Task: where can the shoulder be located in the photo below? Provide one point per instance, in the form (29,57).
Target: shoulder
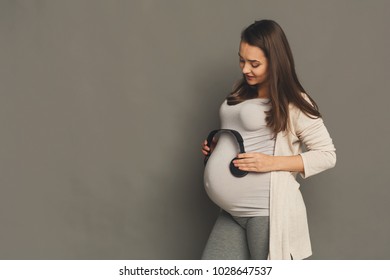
(299,119)
(293,108)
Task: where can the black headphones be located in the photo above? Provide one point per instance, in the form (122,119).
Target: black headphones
(234,170)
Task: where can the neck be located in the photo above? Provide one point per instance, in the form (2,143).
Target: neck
(263,91)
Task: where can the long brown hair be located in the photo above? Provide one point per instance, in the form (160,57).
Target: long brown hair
(284,86)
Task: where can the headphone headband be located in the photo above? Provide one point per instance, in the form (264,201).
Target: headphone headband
(236,134)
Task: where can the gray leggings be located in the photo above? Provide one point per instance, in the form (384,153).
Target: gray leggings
(238,238)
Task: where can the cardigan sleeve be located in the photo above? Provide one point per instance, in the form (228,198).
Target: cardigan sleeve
(320,152)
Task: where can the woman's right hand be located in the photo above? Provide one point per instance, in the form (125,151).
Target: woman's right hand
(205,149)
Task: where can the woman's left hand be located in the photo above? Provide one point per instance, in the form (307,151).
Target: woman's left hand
(254,162)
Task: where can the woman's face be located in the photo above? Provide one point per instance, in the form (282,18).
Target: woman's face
(253,63)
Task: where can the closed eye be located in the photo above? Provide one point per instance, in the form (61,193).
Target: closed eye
(253,65)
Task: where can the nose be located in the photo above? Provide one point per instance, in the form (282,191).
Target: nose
(246,69)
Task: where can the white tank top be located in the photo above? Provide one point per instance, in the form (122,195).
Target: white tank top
(247,196)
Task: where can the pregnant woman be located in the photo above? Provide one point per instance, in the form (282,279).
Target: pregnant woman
(263,215)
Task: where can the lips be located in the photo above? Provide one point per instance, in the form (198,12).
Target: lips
(249,77)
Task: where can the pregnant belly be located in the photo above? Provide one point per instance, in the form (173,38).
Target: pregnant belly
(235,195)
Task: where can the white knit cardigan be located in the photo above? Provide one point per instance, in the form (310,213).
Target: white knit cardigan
(289,232)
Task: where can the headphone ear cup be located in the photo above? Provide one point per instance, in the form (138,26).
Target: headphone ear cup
(235,171)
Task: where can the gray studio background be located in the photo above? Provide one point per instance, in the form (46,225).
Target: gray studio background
(104,104)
